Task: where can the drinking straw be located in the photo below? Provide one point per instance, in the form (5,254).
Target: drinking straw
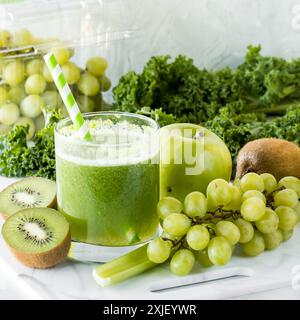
(67,95)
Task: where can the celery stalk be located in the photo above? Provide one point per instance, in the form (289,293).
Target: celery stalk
(123,268)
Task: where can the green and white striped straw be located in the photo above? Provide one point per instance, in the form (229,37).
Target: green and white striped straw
(67,95)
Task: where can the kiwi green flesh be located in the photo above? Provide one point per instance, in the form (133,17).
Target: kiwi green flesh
(35,231)
(27,193)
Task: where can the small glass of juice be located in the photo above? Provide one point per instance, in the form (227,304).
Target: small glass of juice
(108,187)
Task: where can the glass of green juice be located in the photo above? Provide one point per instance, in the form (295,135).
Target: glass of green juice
(108,187)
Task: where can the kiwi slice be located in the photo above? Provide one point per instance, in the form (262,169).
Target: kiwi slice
(38,237)
(27,193)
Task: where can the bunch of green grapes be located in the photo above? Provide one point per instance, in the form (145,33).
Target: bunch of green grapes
(255,212)
(27,85)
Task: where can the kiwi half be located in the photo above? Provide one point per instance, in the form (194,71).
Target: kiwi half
(38,237)
(27,193)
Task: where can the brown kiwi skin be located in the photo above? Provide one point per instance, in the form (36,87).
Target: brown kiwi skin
(279,157)
(47,259)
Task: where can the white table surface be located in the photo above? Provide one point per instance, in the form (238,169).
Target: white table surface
(274,274)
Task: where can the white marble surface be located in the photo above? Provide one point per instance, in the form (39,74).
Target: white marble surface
(276,276)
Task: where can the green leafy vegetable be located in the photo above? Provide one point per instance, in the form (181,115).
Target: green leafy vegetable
(18,159)
(235,104)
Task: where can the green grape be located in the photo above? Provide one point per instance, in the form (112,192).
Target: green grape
(252,181)
(219,192)
(286,198)
(105,83)
(270,182)
(236,196)
(34,66)
(202,257)
(290,183)
(3,95)
(168,205)
(255,194)
(9,113)
(52,99)
(86,104)
(297,210)
(88,85)
(219,251)
(46,74)
(229,231)
(23,37)
(96,66)
(286,234)
(176,224)
(35,84)
(198,237)
(5,38)
(269,222)
(195,204)
(23,121)
(62,55)
(159,250)
(71,72)
(16,94)
(255,246)
(288,218)
(182,262)
(253,209)
(272,240)
(31,106)
(246,230)
(14,73)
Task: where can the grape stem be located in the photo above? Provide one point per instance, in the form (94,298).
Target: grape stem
(270,197)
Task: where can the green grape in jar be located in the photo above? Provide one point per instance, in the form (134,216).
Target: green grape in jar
(86,104)
(35,84)
(32,105)
(97,66)
(88,84)
(16,94)
(14,73)
(71,72)
(34,66)
(9,113)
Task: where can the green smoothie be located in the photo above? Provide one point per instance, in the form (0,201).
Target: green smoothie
(107,203)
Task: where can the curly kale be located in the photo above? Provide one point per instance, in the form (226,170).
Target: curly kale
(18,159)
(235,104)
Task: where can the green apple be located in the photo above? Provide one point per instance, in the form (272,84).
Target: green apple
(190,158)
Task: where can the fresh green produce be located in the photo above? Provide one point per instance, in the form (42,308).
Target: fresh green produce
(276,156)
(18,159)
(27,193)
(38,237)
(233,103)
(210,239)
(190,158)
(27,86)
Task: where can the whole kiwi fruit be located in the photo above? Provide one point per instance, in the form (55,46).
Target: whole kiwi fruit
(279,157)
